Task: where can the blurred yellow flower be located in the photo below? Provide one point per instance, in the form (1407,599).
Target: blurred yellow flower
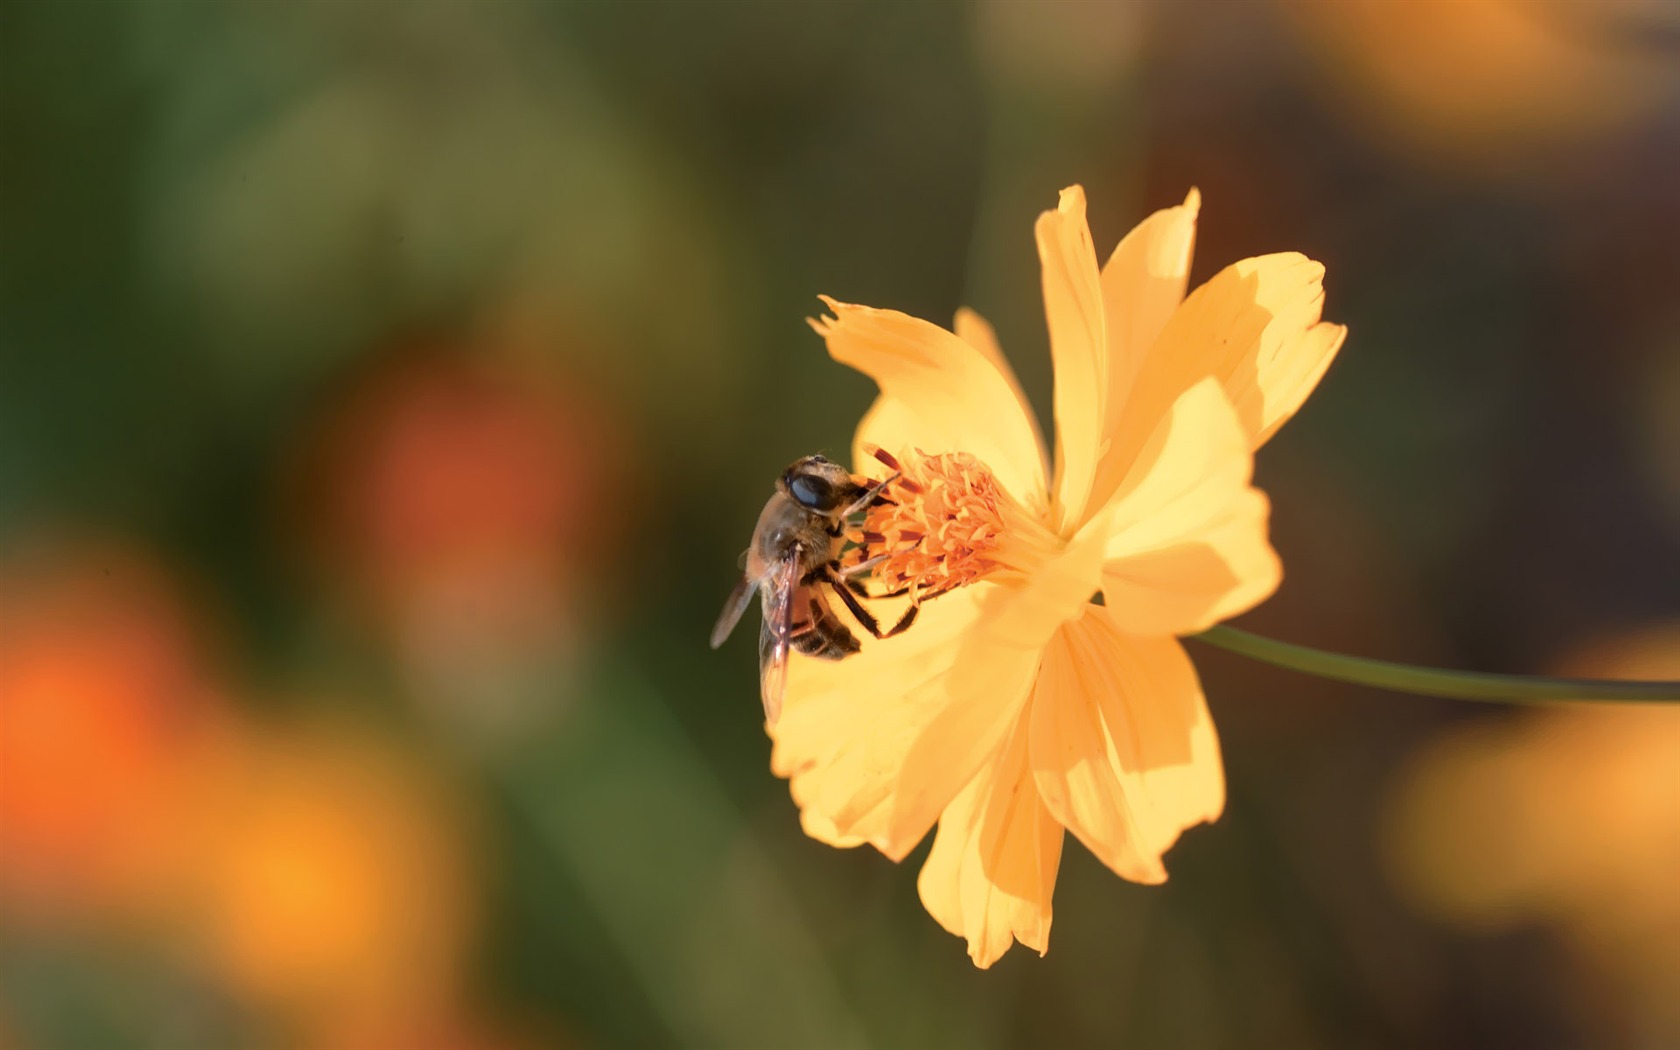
(331,881)
(1015,707)
(1567,816)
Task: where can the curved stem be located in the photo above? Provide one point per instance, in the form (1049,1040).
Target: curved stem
(1430,681)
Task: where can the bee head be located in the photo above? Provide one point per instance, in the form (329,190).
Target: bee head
(818,484)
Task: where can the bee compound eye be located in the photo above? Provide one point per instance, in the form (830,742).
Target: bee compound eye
(812,492)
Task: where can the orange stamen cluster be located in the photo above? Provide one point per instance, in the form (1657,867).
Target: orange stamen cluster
(936,526)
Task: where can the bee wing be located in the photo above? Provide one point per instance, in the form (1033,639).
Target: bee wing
(773,636)
(739,599)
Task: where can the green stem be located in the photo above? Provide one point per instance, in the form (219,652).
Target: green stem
(1430,681)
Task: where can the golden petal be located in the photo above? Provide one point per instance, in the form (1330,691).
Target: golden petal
(977,332)
(1121,745)
(1187,542)
(1143,283)
(938,393)
(879,743)
(876,745)
(821,828)
(1168,712)
(1073,307)
(992,869)
(1220,569)
(1256,328)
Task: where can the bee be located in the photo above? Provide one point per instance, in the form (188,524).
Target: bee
(794,566)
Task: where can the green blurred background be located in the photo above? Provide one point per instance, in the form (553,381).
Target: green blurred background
(387,390)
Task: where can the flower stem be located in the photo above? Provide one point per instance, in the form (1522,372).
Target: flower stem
(1431,681)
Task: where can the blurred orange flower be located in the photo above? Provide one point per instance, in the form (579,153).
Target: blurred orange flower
(461,499)
(1568,816)
(448,470)
(330,881)
(1487,82)
(103,700)
(1015,708)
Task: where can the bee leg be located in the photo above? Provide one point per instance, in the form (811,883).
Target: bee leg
(868,621)
(849,571)
(863,566)
(917,595)
(843,588)
(857,588)
(846,576)
(861,591)
(869,495)
(904,624)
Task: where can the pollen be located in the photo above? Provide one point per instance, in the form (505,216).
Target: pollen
(941,523)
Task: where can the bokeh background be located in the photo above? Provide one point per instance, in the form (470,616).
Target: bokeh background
(387,390)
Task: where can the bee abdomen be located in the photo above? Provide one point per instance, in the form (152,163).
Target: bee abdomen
(827,637)
(824,647)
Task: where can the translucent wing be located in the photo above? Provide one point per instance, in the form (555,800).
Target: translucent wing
(739,599)
(777,589)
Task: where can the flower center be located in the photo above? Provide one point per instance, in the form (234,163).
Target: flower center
(944,522)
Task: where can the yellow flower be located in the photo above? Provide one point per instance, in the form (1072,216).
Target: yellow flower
(1567,817)
(1014,707)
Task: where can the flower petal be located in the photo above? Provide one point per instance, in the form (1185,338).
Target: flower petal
(993,865)
(1187,542)
(1222,569)
(1121,744)
(876,745)
(1073,307)
(1143,283)
(977,332)
(889,424)
(938,393)
(1255,327)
